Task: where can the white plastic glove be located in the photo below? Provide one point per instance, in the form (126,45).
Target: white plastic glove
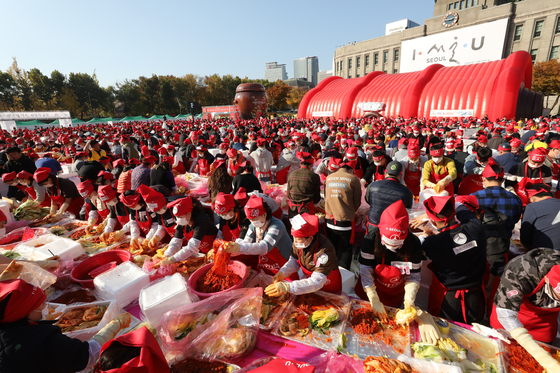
(232,248)
(448,179)
(166,261)
(410,291)
(376,305)
(522,336)
(174,245)
(429,332)
(110,330)
(429,184)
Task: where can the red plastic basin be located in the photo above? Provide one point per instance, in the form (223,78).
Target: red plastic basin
(80,273)
(237,267)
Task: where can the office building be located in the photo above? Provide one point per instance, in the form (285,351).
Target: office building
(323,74)
(275,71)
(307,68)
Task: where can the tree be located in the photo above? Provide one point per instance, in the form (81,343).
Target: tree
(546,79)
(69,102)
(87,87)
(42,87)
(8,91)
(168,100)
(149,87)
(24,90)
(278,95)
(295,97)
(129,94)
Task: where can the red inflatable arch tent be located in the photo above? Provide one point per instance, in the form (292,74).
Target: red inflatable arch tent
(497,89)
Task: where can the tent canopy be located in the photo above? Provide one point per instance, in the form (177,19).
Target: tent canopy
(31,123)
(100,120)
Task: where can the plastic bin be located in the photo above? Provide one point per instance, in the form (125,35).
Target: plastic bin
(122,283)
(237,267)
(164,295)
(80,273)
(48,245)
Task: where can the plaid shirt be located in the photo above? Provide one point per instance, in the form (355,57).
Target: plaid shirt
(304,186)
(503,201)
(140,176)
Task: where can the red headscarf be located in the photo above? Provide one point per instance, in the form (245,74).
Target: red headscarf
(538,155)
(154,200)
(436,204)
(151,357)
(304,225)
(393,225)
(489,172)
(224,202)
(130,201)
(254,207)
(181,206)
(24,299)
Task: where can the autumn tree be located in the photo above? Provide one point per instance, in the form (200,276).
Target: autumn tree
(24,90)
(295,97)
(278,95)
(546,79)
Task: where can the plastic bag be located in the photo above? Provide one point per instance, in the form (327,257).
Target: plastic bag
(429,366)
(73,293)
(224,326)
(86,334)
(289,365)
(332,362)
(201,190)
(33,274)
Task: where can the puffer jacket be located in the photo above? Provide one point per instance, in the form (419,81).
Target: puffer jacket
(263,160)
(382,194)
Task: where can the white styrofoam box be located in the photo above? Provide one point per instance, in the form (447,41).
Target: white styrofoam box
(214,151)
(348,280)
(5,208)
(162,296)
(47,245)
(123,283)
(66,168)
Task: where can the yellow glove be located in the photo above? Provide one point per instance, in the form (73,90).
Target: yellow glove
(100,228)
(232,248)
(376,305)
(104,237)
(110,330)
(89,229)
(134,243)
(429,184)
(118,235)
(277,289)
(410,291)
(278,277)
(429,332)
(166,261)
(522,336)
(56,217)
(154,242)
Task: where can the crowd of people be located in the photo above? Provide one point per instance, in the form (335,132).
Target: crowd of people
(476,179)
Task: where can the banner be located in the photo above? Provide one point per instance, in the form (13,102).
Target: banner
(322,114)
(452,113)
(465,46)
(20,115)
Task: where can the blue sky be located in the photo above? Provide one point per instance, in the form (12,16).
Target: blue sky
(127,39)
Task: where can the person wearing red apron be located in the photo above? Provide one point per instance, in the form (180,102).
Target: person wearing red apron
(203,162)
(458,254)
(354,162)
(413,169)
(527,303)
(149,358)
(233,224)
(140,221)
(288,162)
(118,216)
(439,170)
(263,161)
(315,255)
(536,161)
(304,187)
(32,189)
(91,200)
(266,238)
(193,226)
(63,192)
(156,203)
(390,266)
(235,160)
(376,170)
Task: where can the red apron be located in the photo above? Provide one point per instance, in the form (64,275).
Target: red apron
(521,187)
(542,323)
(264,175)
(271,262)
(469,185)
(390,290)
(145,226)
(310,206)
(334,279)
(75,205)
(205,244)
(233,167)
(100,217)
(180,168)
(203,167)
(435,178)
(32,194)
(377,176)
(231,235)
(282,176)
(412,180)
(357,172)
(123,220)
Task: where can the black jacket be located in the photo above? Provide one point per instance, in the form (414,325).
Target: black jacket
(40,348)
(382,194)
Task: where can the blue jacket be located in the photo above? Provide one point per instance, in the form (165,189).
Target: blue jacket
(508,160)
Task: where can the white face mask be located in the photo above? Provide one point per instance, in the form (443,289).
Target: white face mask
(377,163)
(228,216)
(135,208)
(222,151)
(182,221)
(412,161)
(48,185)
(393,248)
(437,159)
(2,232)
(532,165)
(258,223)
(112,202)
(302,245)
